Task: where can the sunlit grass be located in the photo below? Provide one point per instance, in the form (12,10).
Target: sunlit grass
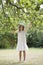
(10,57)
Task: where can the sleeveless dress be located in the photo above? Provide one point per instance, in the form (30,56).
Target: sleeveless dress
(21,44)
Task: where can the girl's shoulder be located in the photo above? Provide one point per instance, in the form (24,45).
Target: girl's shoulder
(21,32)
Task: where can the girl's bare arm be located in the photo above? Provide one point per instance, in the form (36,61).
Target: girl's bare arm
(16,31)
(28,26)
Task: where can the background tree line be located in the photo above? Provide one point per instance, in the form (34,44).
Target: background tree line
(14,11)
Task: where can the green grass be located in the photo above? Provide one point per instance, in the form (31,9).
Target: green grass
(34,56)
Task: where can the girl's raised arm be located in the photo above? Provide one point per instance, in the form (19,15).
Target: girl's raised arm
(16,31)
(28,26)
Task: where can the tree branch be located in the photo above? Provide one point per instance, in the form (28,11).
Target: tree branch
(15,5)
(3,8)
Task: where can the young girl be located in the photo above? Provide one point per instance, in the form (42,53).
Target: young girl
(22,46)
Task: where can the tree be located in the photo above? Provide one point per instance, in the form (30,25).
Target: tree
(12,12)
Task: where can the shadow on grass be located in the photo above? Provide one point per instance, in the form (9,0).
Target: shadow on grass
(15,63)
(20,63)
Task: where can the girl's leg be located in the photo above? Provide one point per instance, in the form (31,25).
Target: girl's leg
(20,54)
(24,55)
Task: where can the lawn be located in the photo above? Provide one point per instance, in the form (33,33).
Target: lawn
(34,56)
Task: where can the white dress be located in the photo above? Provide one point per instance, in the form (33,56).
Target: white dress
(21,45)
